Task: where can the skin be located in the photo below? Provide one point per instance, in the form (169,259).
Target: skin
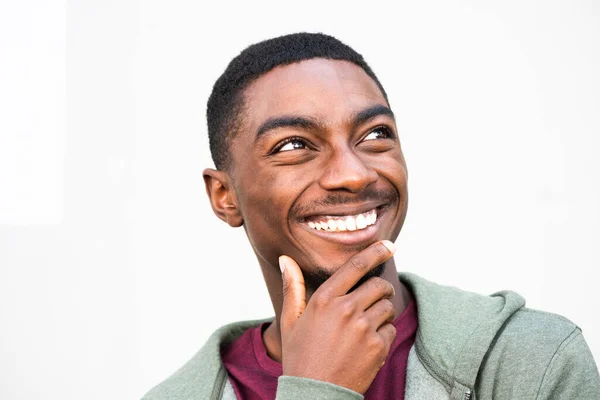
(339,163)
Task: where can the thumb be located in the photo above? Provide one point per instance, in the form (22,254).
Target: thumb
(294,292)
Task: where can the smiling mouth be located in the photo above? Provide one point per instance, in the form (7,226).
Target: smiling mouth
(343,223)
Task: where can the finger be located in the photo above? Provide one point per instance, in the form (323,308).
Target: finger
(350,273)
(294,292)
(388,334)
(371,291)
(380,313)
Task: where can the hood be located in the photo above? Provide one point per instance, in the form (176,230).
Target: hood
(456,328)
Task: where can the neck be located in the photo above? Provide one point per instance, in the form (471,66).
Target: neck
(272,335)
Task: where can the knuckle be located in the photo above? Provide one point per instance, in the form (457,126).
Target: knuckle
(392,332)
(379,283)
(377,343)
(347,309)
(381,250)
(362,325)
(358,263)
(320,300)
(386,336)
(386,306)
(383,287)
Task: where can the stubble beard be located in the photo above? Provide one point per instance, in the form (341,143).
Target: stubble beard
(314,279)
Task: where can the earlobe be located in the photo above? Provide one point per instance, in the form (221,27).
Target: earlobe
(222,197)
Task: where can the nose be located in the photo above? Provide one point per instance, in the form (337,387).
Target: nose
(345,170)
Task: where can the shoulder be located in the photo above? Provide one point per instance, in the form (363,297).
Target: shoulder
(203,374)
(537,331)
(532,353)
(530,339)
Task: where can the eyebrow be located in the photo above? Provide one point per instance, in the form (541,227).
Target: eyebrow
(287,121)
(309,123)
(369,113)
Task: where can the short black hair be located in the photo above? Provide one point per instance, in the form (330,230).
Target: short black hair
(226,102)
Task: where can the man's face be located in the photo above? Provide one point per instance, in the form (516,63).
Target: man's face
(318,148)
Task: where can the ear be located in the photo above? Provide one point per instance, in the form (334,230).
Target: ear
(222,196)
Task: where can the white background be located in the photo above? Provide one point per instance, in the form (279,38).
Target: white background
(113,270)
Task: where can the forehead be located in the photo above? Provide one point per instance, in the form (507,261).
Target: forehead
(327,89)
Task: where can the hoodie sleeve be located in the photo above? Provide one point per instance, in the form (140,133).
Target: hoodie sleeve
(572,372)
(296,388)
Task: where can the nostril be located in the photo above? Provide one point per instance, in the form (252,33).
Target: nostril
(349,173)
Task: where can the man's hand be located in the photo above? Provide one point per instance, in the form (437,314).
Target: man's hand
(338,337)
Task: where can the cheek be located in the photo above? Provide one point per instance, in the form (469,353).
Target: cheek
(400,176)
(266,204)
(261,209)
(393,168)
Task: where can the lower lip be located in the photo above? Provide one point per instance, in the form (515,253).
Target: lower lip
(350,237)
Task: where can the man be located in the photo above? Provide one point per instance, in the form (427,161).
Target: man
(309,162)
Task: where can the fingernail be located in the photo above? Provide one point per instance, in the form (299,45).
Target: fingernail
(282,263)
(391,246)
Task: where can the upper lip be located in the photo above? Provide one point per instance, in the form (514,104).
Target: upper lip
(342,210)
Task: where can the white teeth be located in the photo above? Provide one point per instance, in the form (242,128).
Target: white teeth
(371,217)
(361,221)
(351,223)
(348,223)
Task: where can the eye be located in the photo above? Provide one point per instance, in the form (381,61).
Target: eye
(381,132)
(289,144)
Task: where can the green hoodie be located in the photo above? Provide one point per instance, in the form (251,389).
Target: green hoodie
(468,347)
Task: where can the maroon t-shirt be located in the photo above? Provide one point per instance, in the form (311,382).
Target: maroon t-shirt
(254,375)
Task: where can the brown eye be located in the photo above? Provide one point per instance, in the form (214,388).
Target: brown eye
(289,145)
(379,133)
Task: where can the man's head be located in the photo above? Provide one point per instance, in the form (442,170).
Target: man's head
(226,102)
(307,153)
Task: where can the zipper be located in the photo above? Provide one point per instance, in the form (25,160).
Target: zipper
(468,394)
(436,371)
